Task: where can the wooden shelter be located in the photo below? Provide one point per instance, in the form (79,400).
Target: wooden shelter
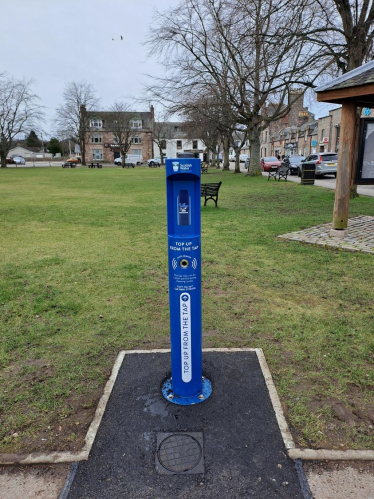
(352,90)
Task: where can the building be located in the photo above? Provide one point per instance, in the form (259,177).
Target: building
(329,131)
(179,138)
(281,137)
(29,152)
(102,144)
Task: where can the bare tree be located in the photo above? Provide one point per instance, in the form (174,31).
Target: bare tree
(345,29)
(162,134)
(249,53)
(73,121)
(203,120)
(237,141)
(121,122)
(20,112)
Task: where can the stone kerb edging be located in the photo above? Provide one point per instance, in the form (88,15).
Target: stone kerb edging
(54,457)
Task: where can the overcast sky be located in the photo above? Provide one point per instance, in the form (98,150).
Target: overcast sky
(56,42)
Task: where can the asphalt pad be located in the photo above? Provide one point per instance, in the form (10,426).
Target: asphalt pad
(242,449)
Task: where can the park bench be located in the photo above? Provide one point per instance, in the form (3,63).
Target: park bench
(93,165)
(204,167)
(273,172)
(69,164)
(283,172)
(210,191)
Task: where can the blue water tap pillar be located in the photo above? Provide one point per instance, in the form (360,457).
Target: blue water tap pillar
(187,384)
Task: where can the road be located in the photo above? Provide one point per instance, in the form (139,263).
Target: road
(328,182)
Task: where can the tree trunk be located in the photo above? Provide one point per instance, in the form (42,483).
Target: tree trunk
(4,153)
(226,161)
(213,158)
(82,145)
(254,166)
(237,162)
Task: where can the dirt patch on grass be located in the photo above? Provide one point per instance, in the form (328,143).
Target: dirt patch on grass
(60,434)
(336,419)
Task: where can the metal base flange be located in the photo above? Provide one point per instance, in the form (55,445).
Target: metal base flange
(167,392)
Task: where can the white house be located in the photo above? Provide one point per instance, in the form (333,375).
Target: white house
(179,139)
(26,153)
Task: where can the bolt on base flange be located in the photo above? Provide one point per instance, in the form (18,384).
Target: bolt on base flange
(170,396)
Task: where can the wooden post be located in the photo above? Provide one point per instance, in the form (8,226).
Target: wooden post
(345,162)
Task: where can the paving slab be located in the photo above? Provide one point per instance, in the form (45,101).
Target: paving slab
(348,480)
(360,235)
(242,448)
(31,482)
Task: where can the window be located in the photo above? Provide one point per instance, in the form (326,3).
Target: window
(179,144)
(138,152)
(322,135)
(96,138)
(96,124)
(136,124)
(97,154)
(266,136)
(194,144)
(136,140)
(177,129)
(337,138)
(163,144)
(115,139)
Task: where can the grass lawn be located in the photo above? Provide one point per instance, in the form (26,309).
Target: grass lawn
(83,274)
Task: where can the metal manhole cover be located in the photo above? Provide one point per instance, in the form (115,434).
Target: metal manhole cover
(180,453)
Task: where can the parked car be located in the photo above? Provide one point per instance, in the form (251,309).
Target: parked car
(326,163)
(269,162)
(242,158)
(10,160)
(131,160)
(232,157)
(19,160)
(156,161)
(295,162)
(118,162)
(75,160)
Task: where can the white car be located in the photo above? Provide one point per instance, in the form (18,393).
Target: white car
(243,157)
(131,160)
(156,161)
(19,160)
(232,157)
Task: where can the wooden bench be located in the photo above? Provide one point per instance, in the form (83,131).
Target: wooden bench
(69,164)
(204,167)
(210,191)
(93,165)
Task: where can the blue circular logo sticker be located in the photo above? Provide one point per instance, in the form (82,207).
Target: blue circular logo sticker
(185,297)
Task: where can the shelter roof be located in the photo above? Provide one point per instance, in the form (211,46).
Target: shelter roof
(356,85)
